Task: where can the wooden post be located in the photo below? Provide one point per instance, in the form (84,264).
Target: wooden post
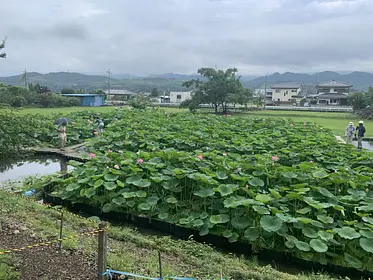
(160,265)
(61,227)
(102,251)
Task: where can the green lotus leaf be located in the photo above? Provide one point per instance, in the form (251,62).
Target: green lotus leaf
(318,245)
(289,175)
(309,232)
(163,216)
(205,193)
(225,190)
(107,208)
(144,207)
(251,233)
(204,230)
(232,202)
(143,183)
(111,177)
(320,174)
(304,211)
(198,223)
(119,200)
(130,204)
(325,219)
(227,233)
(368,220)
(270,223)
(219,219)
(240,222)
(325,192)
(303,246)
(366,244)
(256,182)
(233,238)
(133,179)
(352,261)
(221,175)
(98,183)
(325,235)
(152,200)
(170,184)
(366,233)
(110,186)
(275,193)
(261,210)
(120,183)
(129,194)
(171,200)
(265,198)
(83,181)
(72,187)
(348,233)
(141,194)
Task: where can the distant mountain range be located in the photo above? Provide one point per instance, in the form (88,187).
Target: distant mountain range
(171,81)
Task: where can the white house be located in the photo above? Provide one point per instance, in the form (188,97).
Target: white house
(332,93)
(286,92)
(176,97)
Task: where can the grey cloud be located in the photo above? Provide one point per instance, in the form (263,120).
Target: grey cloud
(147,36)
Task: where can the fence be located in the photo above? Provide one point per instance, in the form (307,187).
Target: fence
(103,272)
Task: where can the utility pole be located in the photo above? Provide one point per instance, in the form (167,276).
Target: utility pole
(265,91)
(25,78)
(108,82)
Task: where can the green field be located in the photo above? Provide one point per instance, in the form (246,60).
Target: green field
(337,122)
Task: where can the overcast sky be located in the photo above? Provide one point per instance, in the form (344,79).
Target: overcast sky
(142,37)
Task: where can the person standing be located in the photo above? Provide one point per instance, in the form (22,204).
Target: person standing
(360,131)
(350,131)
(100,124)
(62,135)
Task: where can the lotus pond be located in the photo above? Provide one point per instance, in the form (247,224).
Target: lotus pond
(269,182)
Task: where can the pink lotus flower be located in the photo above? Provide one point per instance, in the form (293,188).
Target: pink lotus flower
(225,154)
(73,123)
(291,124)
(110,151)
(92,155)
(275,158)
(140,160)
(95,133)
(311,161)
(116,166)
(200,157)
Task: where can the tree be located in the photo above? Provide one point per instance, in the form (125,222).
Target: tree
(67,91)
(154,93)
(140,101)
(2,46)
(241,97)
(218,88)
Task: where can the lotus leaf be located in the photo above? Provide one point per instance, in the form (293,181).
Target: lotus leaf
(111,177)
(205,193)
(265,198)
(227,233)
(141,194)
(152,200)
(225,190)
(366,233)
(119,200)
(270,223)
(144,207)
(171,200)
(221,175)
(251,233)
(348,233)
(240,222)
(163,216)
(320,174)
(309,232)
(303,246)
(110,186)
(325,235)
(366,244)
(234,237)
(318,245)
(219,219)
(352,261)
(72,187)
(197,223)
(368,220)
(256,182)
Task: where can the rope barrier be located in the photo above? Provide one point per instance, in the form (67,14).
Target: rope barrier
(48,243)
(49,206)
(110,273)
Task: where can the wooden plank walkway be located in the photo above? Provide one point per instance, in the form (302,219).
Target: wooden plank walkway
(72,152)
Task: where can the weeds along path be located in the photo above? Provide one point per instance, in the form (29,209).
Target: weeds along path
(25,222)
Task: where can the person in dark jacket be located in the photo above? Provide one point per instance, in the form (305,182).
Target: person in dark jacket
(360,131)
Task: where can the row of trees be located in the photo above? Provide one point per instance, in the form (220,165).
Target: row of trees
(219,88)
(81,91)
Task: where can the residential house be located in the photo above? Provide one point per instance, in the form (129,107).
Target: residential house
(122,94)
(332,93)
(264,91)
(176,97)
(286,93)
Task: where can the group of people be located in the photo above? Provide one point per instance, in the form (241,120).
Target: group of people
(358,132)
(63,126)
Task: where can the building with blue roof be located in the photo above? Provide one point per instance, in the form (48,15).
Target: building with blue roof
(89,100)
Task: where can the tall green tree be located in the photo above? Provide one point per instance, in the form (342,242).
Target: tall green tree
(2,46)
(217,88)
(154,93)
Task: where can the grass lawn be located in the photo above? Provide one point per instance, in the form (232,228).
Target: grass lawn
(134,251)
(337,122)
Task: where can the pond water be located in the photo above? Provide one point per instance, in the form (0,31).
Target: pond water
(13,169)
(366,145)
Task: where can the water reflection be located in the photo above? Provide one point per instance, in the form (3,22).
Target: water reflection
(14,169)
(366,145)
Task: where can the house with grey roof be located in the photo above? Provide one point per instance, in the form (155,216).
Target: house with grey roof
(286,93)
(332,93)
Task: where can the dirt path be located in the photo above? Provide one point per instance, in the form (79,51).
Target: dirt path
(44,262)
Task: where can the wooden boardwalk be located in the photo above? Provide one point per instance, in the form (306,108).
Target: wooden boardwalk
(72,152)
